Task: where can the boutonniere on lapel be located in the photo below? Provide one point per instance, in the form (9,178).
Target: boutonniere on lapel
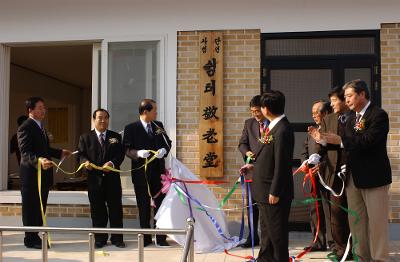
(360,125)
(266,138)
(112,140)
(159,131)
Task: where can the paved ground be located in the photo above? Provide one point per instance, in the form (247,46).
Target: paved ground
(74,248)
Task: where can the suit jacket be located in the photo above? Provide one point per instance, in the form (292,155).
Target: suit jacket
(33,144)
(90,150)
(135,139)
(273,166)
(329,153)
(367,158)
(249,139)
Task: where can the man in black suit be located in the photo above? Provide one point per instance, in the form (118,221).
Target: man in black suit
(249,146)
(273,180)
(140,137)
(33,144)
(319,111)
(369,171)
(103,147)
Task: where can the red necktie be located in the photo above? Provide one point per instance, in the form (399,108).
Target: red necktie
(261,128)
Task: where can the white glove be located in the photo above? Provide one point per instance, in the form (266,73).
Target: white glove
(161,153)
(143,153)
(314,159)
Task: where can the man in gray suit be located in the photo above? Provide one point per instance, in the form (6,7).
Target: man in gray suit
(319,110)
(249,146)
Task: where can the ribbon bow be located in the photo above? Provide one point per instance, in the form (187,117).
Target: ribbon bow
(166,181)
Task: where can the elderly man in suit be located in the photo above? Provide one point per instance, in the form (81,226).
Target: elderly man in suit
(139,137)
(319,110)
(33,144)
(103,148)
(249,146)
(273,180)
(333,158)
(369,171)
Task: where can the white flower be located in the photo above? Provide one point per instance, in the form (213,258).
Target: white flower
(113,140)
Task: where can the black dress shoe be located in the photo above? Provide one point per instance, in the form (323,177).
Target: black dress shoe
(99,244)
(162,243)
(247,244)
(120,244)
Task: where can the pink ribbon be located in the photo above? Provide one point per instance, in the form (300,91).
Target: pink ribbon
(166,180)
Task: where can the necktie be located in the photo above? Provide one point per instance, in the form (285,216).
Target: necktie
(358,117)
(43,131)
(261,128)
(101,140)
(149,130)
(342,118)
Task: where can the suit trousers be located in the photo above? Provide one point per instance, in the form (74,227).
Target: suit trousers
(143,202)
(339,219)
(274,224)
(324,236)
(372,230)
(31,215)
(105,196)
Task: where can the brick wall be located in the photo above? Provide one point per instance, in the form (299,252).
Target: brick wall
(390,64)
(241,83)
(130,212)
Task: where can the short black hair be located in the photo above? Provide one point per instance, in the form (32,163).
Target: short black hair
(255,101)
(31,102)
(21,119)
(274,101)
(100,110)
(146,105)
(359,86)
(338,92)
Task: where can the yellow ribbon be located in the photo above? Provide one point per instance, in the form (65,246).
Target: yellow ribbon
(39,179)
(39,182)
(147,161)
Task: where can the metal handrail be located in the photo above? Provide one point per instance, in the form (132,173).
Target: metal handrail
(187,254)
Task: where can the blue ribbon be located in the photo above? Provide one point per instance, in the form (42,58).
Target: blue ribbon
(251,214)
(213,220)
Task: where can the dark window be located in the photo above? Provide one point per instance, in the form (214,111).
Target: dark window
(305,66)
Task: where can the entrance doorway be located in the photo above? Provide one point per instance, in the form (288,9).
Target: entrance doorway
(62,75)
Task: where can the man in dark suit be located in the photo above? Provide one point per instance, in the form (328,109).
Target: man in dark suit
(103,148)
(273,180)
(249,146)
(319,110)
(140,137)
(369,171)
(33,144)
(333,157)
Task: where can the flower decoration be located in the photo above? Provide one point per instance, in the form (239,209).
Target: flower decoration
(113,140)
(360,125)
(159,131)
(266,138)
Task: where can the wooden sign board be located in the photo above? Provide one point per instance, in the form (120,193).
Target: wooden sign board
(211,89)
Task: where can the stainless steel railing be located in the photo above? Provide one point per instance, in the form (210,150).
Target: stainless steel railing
(187,254)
